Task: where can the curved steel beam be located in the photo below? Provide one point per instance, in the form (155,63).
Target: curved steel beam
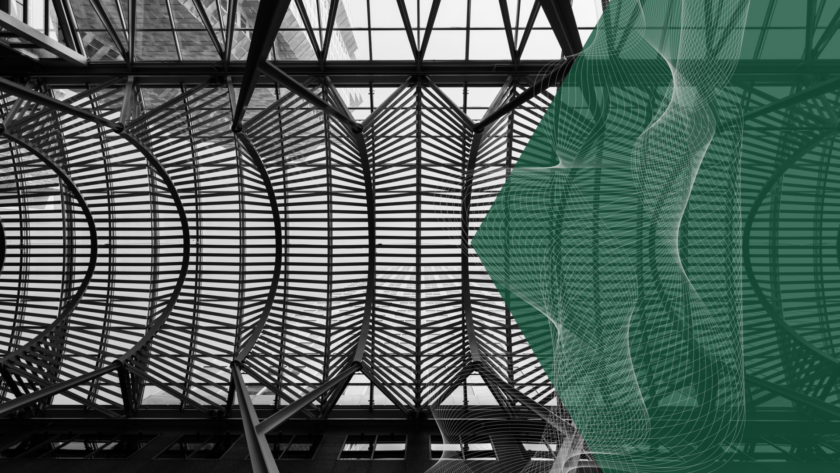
(67,181)
(252,152)
(355,130)
(185,244)
(370,291)
(119,128)
(748,223)
(2,245)
(70,307)
(466,199)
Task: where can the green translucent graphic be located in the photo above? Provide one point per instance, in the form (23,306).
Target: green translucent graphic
(638,329)
(684,154)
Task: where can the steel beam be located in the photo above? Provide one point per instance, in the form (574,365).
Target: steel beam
(827,35)
(330,26)
(795,396)
(747,254)
(566,428)
(394,72)
(132,32)
(532,18)
(269,17)
(288,82)
(109,27)
(275,420)
(128,99)
(206,20)
(408,30)
(554,78)
(811,92)
(368,122)
(52,390)
(465,120)
(262,461)
(466,197)
(256,160)
(430,23)
(68,25)
(40,40)
(54,104)
(71,305)
(562,20)
(231,26)
(2,245)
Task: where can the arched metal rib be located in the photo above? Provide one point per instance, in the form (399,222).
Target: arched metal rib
(182,273)
(69,308)
(122,361)
(748,268)
(252,153)
(2,245)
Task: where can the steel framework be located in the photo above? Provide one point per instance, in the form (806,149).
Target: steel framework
(200,231)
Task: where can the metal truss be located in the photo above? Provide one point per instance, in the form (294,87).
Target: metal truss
(221,228)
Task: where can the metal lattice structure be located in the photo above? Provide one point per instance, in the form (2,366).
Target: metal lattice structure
(242,231)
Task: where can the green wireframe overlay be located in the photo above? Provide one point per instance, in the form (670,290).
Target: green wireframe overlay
(619,246)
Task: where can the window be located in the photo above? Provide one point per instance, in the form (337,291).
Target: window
(373,447)
(69,445)
(469,447)
(294,447)
(123,446)
(200,446)
(538,449)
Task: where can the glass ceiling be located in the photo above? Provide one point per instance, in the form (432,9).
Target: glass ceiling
(176,30)
(205,31)
(186,31)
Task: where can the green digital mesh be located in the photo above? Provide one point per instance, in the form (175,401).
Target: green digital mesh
(585,241)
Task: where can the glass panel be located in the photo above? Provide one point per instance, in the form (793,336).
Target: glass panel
(438,448)
(446,44)
(124,446)
(19,448)
(586,12)
(389,447)
(81,446)
(16,9)
(538,450)
(303,447)
(385,14)
(542,44)
(391,45)
(351,45)
(491,44)
(36,14)
(355,11)
(185,446)
(156,46)
(477,448)
(293,45)
(197,46)
(452,14)
(358,447)
(152,14)
(487,16)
